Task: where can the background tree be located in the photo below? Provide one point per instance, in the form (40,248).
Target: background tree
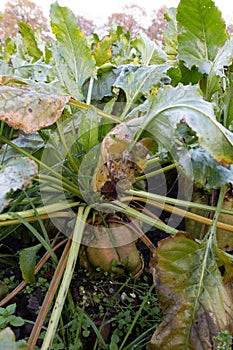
(155,30)
(86,25)
(23,10)
(230,29)
(133,18)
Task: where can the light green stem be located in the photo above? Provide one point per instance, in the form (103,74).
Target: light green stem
(85,106)
(73,254)
(119,206)
(156,172)
(173,201)
(47,209)
(68,153)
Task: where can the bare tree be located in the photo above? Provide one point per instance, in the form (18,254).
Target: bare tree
(131,19)
(87,26)
(230,29)
(155,30)
(25,11)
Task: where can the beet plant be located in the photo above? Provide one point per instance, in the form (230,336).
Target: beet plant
(91,131)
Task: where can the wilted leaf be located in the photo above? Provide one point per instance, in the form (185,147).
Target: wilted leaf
(73,57)
(151,53)
(17,174)
(202,33)
(184,104)
(190,287)
(27,261)
(118,163)
(29,110)
(29,40)
(8,342)
(207,172)
(12,80)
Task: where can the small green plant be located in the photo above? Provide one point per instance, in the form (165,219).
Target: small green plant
(224,340)
(42,283)
(7,317)
(11,282)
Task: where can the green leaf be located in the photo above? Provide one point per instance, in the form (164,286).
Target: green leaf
(17,321)
(202,33)
(11,309)
(30,143)
(113,346)
(140,81)
(16,174)
(88,133)
(73,58)
(29,110)
(192,294)
(222,60)
(29,40)
(151,53)
(7,341)
(102,86)
(188,76)
(27,261)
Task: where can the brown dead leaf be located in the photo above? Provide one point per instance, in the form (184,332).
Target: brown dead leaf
(118,161)
(28,110)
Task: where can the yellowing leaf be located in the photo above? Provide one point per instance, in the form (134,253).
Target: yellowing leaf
(29,110)
(195,301)
(103,50)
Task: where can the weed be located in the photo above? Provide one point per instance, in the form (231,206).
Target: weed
(224,340)
(7,317)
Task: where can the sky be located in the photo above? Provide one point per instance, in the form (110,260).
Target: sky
(99,10)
